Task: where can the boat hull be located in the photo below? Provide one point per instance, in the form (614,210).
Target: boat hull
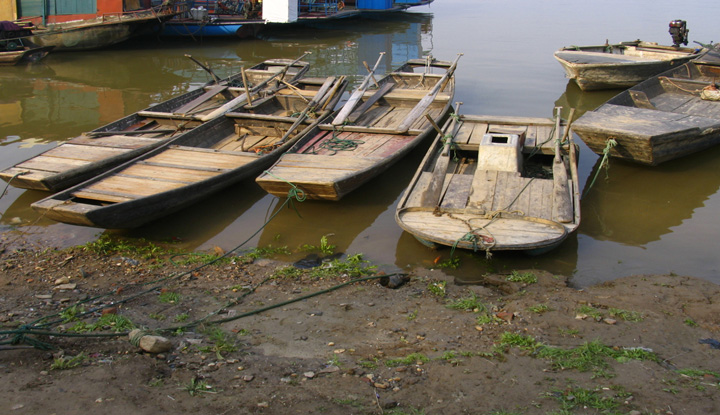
(661,119)
(593,69)
(372,133)
(88,155)
(207,159)
(494,196)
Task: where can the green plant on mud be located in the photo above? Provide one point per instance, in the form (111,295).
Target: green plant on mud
(588,356)
(471,303)
(198,386)
(169,297)
(112,322)
(437,288)
(526,277)
(222,342)
(577,397)
(325,247)
(413,358)
(354,266)
(65,362)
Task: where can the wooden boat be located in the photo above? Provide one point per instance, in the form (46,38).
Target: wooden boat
(500,183)
(89,154)
(668,116)
(15,48)
(200,162)
(620,65)
(379,127)
(105,24)
(24,54)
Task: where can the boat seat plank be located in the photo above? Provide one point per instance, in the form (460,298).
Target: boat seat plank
(581,57)
(464,132)
(51,164)
(477,134)
(118,141)
(158,115)
(391,119)
(375,113)
(201,159)
(208,94)
(507,129)
(384,89)
(132,186)
(103,196)
(83,152)
(458,190)
(168,173)
(483,190)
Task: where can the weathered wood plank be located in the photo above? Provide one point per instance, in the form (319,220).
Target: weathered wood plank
(51,164)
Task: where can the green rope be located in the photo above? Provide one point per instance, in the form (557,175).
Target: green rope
(605,162)
(336,144)
(21,334)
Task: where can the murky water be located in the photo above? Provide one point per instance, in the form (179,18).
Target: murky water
(635,219)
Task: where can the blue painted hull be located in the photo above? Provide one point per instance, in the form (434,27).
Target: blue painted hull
(200,30)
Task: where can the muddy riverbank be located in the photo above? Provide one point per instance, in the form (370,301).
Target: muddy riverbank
(520,343)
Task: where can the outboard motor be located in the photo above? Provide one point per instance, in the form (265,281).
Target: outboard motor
(679,32)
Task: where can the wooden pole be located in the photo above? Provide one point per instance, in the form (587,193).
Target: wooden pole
(356,95)
(424,103)
(245,84)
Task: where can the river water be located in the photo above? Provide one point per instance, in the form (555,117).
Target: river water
(634,219)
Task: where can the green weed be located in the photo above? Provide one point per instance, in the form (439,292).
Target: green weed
(625,314)
(698,373)
(181,317)
(589,311)
(413,358)
(690,322)
(64,363)
(540,308)
(353,266)
(169,297)
(450,263)
(287,272)
(222,342)
(471,303)
(437,288)
(325,247)
(526,278)
(577,397)
(197,387)
(112,322)
(71,314)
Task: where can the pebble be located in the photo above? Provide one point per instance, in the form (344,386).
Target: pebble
(69,286)
(610,321)
(62,280)
(248,378)
(309,375)
(263,405)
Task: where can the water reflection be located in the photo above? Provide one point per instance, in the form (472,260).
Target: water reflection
(635,205)
(582,101)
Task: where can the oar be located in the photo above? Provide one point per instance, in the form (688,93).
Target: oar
(433,192)
(356,95)
(424,103)
(319,96)
(562,204)
(236,101)
(210,71)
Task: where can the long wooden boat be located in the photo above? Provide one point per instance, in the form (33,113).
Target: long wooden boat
(495,183)
(24,54)
(621,65)
(16,48)
(89,154)
(103,30)
(368,135)
(203,161)
(668,116)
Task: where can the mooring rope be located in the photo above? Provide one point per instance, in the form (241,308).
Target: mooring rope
(605,162)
